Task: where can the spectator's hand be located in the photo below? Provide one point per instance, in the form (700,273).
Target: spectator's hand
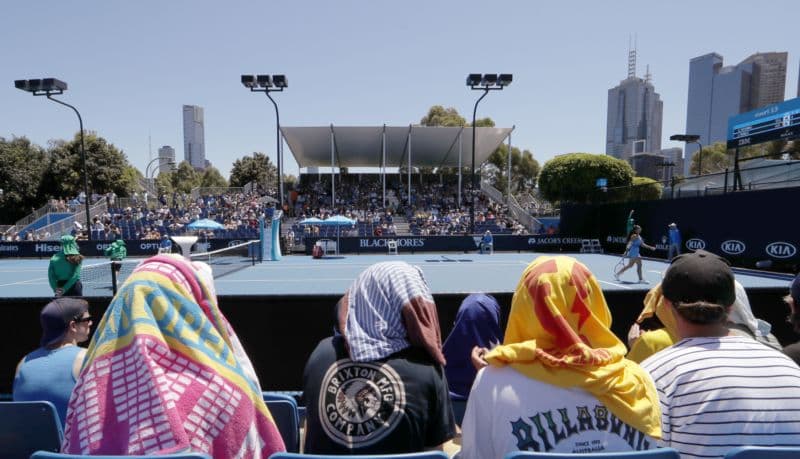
(634,333)
(59,291)
(477,357)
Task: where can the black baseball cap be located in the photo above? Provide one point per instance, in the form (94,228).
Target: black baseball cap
(699,276)
(56,316)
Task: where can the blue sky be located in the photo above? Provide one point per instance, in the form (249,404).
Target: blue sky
(131,65)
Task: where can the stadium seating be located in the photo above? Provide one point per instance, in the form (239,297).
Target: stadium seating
(660,453)
(423,455)
(763,452)
(26,427)
(48,455)
(284,411)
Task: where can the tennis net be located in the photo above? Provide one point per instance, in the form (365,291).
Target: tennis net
(103,276)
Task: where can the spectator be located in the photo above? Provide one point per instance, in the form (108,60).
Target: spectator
(187,384)
(741,321)
(64,272)
(559,362)
(487,242)
(793,301)
(378,386)
(49,373)
(477,324)
(674,241)
(719,391)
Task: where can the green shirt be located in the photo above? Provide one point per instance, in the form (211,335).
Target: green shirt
(61,273)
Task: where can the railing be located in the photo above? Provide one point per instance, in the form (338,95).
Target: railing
(492,192)
(35,215)
(778,174)
(64,226)
(522,216)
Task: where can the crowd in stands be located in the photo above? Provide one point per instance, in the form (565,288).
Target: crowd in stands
(556,380)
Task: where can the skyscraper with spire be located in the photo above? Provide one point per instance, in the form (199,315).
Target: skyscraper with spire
(633,123)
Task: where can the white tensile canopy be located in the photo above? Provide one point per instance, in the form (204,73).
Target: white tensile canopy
(391,146)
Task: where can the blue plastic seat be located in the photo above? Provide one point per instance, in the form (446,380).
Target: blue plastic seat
(48,455)
(26,427)
(283,408)
(423,455)
(763,452)
(660,453)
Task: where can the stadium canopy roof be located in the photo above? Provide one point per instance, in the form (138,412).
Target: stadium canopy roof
(362,146)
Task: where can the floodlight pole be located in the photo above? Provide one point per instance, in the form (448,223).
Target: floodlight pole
(474,190)
(485,83)
(277,143)
(83,163)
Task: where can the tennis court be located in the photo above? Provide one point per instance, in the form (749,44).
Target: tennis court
(451,273)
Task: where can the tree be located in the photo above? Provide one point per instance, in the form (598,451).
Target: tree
(185,178)
(257,168)
(212,178)
(573,177)
(524,169)
(105,166)
(440,116)
(22,167)
(645,189)
(715,159)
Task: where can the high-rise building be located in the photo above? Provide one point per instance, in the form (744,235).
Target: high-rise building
(194,145)
(166,157)
(633,124)
(673,161)
(717,93)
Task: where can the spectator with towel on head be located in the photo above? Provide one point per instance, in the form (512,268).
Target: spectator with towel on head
(477,325)
(166,373)
(560,366)
(378,386)
(50,372)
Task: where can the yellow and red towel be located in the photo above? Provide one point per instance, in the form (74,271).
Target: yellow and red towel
(559,332)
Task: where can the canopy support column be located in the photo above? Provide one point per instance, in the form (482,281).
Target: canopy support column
(508,189)
(383,165)
(333,177)
(459,167)
(409,166)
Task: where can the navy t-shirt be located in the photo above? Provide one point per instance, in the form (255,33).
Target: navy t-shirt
(396,405)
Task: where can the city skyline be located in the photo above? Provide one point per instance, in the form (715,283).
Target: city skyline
(390,63)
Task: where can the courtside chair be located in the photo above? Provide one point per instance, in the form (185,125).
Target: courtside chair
(424,455)
(48,455)
(763,452)
(659,453)
(284,411)
(26,427)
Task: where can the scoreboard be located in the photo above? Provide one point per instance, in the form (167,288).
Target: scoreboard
(773,122)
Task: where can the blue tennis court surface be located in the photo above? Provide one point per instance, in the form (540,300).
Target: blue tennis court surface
(302,275)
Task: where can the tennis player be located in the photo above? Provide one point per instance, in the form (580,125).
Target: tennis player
(635,242)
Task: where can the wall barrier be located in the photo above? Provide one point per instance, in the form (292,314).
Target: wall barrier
(413,244)
(141,247)
(750,229)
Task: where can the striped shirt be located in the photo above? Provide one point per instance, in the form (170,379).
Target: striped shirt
(718,393)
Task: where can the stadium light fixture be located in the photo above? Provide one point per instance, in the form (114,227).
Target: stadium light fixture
(487,82)
(692,138)
(268,84)
(49,87)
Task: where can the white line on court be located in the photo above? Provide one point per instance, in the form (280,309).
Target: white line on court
(29,281)
(615,285)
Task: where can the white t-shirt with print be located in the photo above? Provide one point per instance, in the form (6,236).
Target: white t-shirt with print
(507,411)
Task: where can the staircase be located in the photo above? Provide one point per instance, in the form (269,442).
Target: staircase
(401,223)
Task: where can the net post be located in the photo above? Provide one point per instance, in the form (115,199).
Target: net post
(114,277)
